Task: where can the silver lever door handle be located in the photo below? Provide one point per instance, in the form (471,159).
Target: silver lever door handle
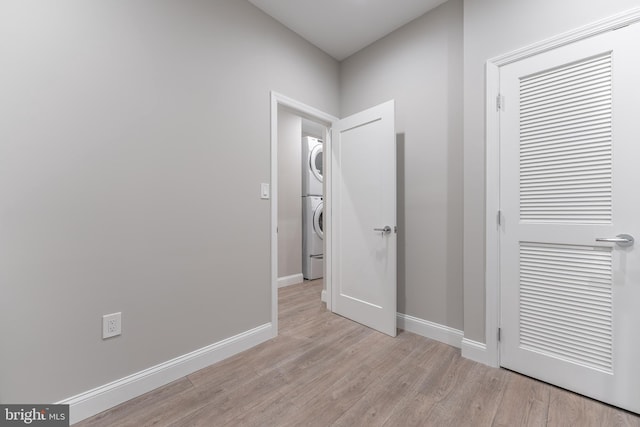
(623,240)
(385,230)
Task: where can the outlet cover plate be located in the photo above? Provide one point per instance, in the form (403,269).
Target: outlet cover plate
(111,325)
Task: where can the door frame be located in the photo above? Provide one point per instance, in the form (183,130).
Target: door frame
(492,160)
(312,113)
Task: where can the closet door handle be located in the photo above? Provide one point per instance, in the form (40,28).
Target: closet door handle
(622,240)
(385,230)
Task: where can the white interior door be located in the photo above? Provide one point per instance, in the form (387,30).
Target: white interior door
(570,152)
(364,237)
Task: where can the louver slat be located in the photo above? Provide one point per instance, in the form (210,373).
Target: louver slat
(565,144)
(566,303)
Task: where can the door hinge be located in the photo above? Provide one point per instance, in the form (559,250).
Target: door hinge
(499,102)
(499,334)
(499,217)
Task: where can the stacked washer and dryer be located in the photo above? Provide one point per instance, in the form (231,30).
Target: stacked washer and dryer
(312,208)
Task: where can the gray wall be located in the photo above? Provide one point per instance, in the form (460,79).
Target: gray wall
(289,193)
(491,28)
(420,66)
(133,140)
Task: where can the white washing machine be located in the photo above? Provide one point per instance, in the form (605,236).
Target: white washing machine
(312,235)
(311,166)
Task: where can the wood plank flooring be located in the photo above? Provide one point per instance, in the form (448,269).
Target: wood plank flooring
(324,370)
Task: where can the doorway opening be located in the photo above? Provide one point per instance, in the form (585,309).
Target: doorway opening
(300,198)
(358,228)
(296,193)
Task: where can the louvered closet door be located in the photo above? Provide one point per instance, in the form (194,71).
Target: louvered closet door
(570,173)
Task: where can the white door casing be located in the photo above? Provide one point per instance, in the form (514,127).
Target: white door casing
(316,115)
(568,166)
(363,197)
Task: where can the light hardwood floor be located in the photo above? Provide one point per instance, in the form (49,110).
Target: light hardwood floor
(324,370)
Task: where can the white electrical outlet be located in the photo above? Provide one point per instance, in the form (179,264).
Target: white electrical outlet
(111,325)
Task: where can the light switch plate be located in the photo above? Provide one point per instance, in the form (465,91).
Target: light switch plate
(264,191)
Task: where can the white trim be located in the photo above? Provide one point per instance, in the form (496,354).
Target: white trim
(474,350)
(304,110)
(610,23)
(429,329)
(92,402)
(274,213)
(470,349)
(492,125)
(492,203)
(309,113)
(327,242)
(294,279)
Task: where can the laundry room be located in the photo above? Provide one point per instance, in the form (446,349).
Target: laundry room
(300,198)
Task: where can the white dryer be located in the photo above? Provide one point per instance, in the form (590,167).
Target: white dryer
(311,166)
(312,235)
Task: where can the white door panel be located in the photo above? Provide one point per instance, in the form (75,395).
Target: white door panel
(364,198)
(569,153)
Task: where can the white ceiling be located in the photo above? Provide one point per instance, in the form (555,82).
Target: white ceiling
(343,27)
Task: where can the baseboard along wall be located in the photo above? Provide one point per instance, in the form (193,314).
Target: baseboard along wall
(429,329)
(476,351)
(92,402)
(473,350)
(294,279)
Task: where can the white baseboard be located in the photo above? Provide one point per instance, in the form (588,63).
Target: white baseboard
(294,279)
(429,329)
(475,351)
(470,349)
(323,295)
(92,402)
